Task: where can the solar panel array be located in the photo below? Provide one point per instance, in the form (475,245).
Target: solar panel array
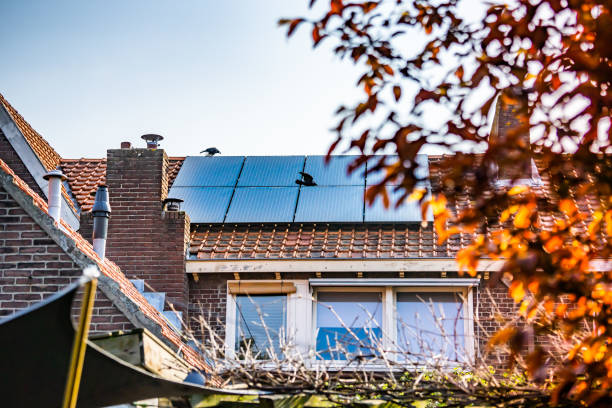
(263,189)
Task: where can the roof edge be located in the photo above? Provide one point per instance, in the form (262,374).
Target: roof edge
(32,162)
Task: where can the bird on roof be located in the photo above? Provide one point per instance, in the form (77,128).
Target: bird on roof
(211,151)
(306,180)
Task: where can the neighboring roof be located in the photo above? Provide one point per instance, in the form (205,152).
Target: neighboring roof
(47,155)
(85,175)
(107,268)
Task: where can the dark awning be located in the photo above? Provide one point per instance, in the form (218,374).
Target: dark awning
(35,347)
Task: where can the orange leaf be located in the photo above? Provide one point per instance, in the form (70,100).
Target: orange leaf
(534,286)
(316,36)
(567,207)
(608,219)
(553,244)
(438,204)
(336,6)
(459,73)
(517,291)
(518,190)
(502,336)
(467,259)
(388,69)
(397,92)
(523,217)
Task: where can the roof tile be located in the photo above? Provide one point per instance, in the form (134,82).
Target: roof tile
(85,175)
(49,158)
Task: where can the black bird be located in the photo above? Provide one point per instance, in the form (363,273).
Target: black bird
(211,151)
(306,180)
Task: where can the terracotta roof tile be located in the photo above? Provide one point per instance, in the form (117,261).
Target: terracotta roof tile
(47,155)
(85,175)
(111,270)
(49,158)
(316,241)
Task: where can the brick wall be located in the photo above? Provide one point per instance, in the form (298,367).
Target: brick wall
(492,305)
(208,300)
(10,157)
(33,267)
(146,242)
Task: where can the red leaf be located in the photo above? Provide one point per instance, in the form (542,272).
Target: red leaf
(336,6)
(293,26)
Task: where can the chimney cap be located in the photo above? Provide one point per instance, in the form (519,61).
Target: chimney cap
(152,137)
(55,173)
(172,204)
(101,203)
(173,200)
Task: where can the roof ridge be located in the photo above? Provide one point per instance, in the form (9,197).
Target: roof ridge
(42,148)
(83,158)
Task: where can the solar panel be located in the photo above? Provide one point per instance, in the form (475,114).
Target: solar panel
(271,170)
(334,173)
(262,204)
(203,204)
(198,171)
(408,211)
(330,204)
(422,171)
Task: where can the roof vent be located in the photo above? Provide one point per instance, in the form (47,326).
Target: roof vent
(101,212)
(55,178)
(152,140)
(172,204)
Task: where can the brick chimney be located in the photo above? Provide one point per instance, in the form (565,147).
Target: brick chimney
(511,128)
(144,240)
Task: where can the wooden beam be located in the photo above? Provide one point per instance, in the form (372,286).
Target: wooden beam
(239,266)
(246,287)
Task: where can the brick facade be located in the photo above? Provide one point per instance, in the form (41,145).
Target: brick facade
(208,300)
(143,240)
(33,267)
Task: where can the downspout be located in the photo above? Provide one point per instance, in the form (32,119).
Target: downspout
(54,179)
(101,213)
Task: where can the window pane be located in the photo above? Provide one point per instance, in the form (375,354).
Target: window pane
(260,324)
(359,312)
(430,325)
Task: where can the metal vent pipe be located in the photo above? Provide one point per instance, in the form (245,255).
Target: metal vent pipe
(101,213)
(54,196)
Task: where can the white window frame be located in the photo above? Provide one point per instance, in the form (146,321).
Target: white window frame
(468,308)
(302,317)
(347,289)
(297,325)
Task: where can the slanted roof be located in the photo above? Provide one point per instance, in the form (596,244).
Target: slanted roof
(320,241)
(47,155)
(112,281)
(85,175)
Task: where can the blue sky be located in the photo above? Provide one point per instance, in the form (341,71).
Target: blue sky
(90,74)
